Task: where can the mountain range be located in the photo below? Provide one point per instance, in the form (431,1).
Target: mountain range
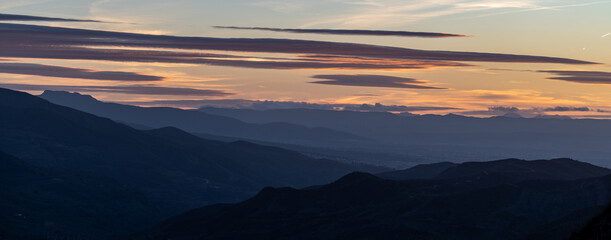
(376,138)
(69,174)
(202,123)
(166,164)
(508,169)
(451,137)
(363,206)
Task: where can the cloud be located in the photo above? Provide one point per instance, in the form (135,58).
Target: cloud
(271,105)
(530,112)
(506,111)
(591,77)
(567,109)
(10,48)
(15,17)
(402,13)
(503,109)
(363,80)
(126,89)
(196,103)
(238,103)
(393,108)
(20,37)
(66,72)
(350,32)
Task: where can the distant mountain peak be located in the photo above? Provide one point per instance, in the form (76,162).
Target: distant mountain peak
(517,169)
(358,179)
(512,115)
(552,117)
(65,94)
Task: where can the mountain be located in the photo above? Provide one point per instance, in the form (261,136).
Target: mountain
(38,203)
(200,122)
(363,206)
(421,171)
(452,137)
(520,170)
(598,228)
(167,164)
(513,170)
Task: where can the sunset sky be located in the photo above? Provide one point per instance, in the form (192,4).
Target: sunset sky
(471,57)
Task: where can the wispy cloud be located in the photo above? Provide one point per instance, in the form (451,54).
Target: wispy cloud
(350,32)
(58,42)
(591,77)
(400,13)
(362,80)
(67,72)
(126,89)
(16,17)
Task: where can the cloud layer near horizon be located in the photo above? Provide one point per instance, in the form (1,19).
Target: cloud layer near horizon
(67,72)
(591,77)
(275,105)
(366,80)
(128,89)
(17,17)
(350,32)
(531,112)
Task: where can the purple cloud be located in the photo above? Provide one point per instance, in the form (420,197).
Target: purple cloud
(67,72)
(350,32)
(362,80)
(26,36)
(126,89)
(16,17)
(591,77)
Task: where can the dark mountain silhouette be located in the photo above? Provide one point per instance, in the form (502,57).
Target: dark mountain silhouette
(200,122)
(598,228)
(363,206)
(39,202)
(421,171)
(166,163)
(513,170)
(452,137)
(520,170)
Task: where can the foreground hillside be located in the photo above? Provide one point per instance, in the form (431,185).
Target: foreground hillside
(505,205)
(165,165)
(598,228)
(39,202)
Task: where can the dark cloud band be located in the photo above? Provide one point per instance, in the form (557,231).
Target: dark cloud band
(44,36)
(16,17)
(372,81)
(591,77)
(350,32)
(126,89)
(567,109)
(66,72)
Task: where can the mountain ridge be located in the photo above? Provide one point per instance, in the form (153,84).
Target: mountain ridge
(199,171)
(199,122)
(363,206)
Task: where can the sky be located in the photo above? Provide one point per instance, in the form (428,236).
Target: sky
(471,57)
